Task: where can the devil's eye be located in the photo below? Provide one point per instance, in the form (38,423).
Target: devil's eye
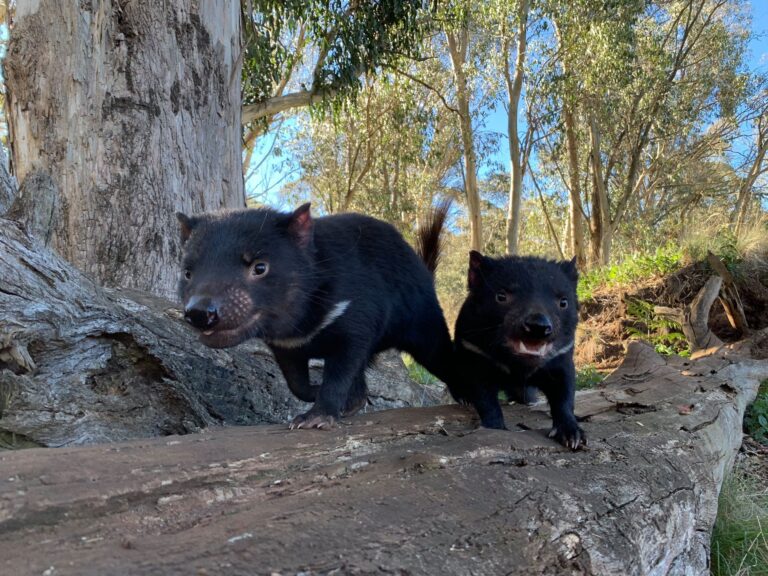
(260,268)
(187,273)
(501,296)
(563,303)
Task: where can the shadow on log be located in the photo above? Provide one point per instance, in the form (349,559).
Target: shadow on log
(80,364)
(414,491)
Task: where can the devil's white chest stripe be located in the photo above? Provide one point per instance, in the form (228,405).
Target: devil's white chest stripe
(503,367)
(333,314)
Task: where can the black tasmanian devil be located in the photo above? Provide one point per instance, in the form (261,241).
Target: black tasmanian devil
(340,288)
(515,332)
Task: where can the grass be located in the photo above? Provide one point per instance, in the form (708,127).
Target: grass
(740,535)
(665,260)
(418,373)
(588,377)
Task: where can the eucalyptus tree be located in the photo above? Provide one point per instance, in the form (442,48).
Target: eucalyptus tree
(300,53)
(639,82)
(131,111)
(389,154)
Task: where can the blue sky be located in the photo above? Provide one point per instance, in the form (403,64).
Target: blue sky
(757,59)
(496,120)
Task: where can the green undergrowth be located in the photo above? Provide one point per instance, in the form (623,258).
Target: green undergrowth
(588,377)
(665,260)
(664,334)
(756,417)
(417,372)
(739,545)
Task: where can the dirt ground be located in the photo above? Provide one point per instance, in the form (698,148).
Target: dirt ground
(605,326)
(605,329)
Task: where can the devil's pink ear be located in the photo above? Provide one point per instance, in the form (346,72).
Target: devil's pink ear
(186,224)
(301,226)
(475,266)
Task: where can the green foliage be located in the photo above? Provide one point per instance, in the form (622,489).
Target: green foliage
(756,417)
(418,373)
(588,377)
(664,334)
(348,39)
(739,545)
(664,260)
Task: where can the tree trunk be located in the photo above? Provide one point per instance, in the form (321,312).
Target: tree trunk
(457,47)
(600,226)
(575,215)
(133,109)
(739,215)
(420,491)
(514,90)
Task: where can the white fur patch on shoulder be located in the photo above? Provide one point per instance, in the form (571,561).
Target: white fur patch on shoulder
(333,314)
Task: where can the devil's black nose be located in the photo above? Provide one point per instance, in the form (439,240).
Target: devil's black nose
(537,326)
(201,313)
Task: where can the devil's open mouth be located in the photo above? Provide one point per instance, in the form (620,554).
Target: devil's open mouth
(228,337)
(531,348)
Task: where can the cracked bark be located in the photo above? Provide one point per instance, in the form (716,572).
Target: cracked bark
(418,491)
(132,109)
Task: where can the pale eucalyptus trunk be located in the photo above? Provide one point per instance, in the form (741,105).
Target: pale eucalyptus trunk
(457,47)
(133,110)
(574,204)
(739,215)
(514,90)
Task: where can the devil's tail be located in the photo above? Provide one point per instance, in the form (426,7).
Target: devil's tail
(429,240)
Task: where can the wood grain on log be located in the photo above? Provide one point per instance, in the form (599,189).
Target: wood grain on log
(729,296)
(416,491)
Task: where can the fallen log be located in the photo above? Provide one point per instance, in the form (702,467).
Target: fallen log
(413,491)
(81,364)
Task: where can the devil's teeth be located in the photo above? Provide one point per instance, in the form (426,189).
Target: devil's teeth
(534,350)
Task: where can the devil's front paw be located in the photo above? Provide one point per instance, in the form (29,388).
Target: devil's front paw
(569,434)
(313,419)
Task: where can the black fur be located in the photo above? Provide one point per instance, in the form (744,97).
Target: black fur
(281,276)
(515,332)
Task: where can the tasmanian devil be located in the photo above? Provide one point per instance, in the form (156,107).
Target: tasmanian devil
(340,288)
(515,332)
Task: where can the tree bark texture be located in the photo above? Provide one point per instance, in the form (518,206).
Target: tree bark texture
(7,184)
(514,91)
(574,199)
(133,110)
(601,228)
(419,491)
(458,45)
(81,364)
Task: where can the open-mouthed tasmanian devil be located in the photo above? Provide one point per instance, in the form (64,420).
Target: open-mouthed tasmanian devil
(515,333)
(341,288)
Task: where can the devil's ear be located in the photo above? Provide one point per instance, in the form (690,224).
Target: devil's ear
(301,226)
(474,274)
(569,269)
(186,224)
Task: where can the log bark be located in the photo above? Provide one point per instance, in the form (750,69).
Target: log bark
(133,110)
(417,491)
(81,364)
